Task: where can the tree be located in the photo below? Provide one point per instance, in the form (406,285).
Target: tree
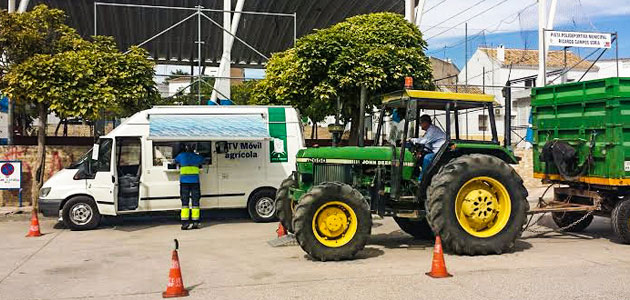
(48,66)
(375,50)
(242,93)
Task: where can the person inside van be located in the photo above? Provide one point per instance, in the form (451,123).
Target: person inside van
(189,163)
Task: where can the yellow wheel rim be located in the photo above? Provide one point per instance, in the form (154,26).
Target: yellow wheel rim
(334,224)
(483,206)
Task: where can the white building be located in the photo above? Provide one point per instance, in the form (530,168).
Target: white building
(608,68)
(491,68)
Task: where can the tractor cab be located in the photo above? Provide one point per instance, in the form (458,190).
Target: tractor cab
(452,113)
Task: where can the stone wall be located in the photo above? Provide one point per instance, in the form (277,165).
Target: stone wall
(57,157)
(525,168)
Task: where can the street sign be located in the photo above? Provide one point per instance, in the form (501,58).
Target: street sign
(579,39)
(10,175)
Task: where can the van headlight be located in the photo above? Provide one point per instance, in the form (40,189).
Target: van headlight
(43,192)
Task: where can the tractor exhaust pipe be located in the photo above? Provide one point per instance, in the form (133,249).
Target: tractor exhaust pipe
(362,116)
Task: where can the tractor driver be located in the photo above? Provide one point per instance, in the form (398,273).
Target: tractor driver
(431,141)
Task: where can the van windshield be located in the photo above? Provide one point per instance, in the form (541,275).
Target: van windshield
(81,160)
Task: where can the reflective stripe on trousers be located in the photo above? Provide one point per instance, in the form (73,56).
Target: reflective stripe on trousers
(195,213)
(185,214)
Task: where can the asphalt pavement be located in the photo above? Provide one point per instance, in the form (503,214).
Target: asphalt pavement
(230,258)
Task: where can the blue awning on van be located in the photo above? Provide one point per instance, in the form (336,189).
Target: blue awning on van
(207,127)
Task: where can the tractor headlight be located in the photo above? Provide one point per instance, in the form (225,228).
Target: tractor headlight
(43,192)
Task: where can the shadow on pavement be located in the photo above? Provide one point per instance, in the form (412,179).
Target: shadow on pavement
(367,252)
(599,228)
(141,221)
(398,240)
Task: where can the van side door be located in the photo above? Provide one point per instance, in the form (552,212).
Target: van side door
(102,186)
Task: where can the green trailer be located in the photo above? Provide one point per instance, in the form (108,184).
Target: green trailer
(582,144)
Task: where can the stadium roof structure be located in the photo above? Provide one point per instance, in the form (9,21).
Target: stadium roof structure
(265,33)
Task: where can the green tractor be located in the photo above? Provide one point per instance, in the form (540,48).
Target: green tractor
(469,195)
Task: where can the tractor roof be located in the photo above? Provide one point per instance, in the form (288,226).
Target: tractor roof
(437,100)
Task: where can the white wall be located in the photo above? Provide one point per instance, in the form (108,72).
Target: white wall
(608,68)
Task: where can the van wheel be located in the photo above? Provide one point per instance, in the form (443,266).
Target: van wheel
(81,213)
(262,206)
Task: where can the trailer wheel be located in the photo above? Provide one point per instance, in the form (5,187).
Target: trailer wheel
(418,229)
(620,219)
(284,204)
(262,205)
(81,213)
(477,204)
(332,222)
(564,219)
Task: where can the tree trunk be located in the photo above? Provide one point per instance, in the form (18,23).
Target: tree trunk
(40,165)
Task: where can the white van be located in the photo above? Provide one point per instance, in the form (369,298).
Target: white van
(249,150)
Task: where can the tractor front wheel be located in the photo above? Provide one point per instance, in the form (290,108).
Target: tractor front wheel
(477,204)
(284,203)
(332,222)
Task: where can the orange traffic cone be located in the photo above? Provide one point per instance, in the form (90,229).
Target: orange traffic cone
(438,267)
(175,287)
(33,230)
(281,231)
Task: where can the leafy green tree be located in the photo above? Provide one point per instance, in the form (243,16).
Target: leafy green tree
(48,66)
(375,50)
(242,93)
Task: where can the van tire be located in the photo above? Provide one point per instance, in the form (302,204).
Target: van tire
(262,205)
(284,207)
(81,213)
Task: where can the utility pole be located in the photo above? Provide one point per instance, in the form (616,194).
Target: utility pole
(466,53)
(542,22)
(410,10)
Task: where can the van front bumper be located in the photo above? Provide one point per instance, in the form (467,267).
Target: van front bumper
(49,207)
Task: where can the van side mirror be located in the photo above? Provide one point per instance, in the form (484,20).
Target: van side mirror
(221,147)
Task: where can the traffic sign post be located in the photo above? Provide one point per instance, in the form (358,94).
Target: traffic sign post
(11,177)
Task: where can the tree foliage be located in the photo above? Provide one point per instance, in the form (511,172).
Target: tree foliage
(375,50)
(47,67)
(48,63)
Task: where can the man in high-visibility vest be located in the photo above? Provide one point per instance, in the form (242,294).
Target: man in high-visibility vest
(189,163)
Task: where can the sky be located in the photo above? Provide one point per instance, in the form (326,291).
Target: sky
(514,23)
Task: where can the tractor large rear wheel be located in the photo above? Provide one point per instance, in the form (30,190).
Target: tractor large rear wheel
(284,203)
(332,222)
(477,204)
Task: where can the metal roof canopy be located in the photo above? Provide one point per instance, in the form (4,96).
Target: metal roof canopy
(266,33)
(437,100)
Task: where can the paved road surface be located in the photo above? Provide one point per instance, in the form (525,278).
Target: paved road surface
(230,259)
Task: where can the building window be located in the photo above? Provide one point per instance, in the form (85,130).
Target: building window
(483,122)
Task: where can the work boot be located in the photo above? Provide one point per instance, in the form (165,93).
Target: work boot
(185,225)
(195,225)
